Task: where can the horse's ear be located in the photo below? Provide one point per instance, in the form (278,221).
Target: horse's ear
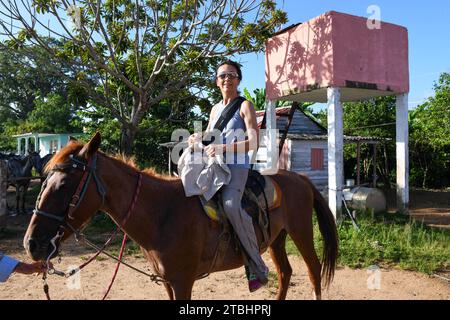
(92,146)
(72,138)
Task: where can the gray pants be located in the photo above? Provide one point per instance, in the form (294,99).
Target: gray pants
(241,221)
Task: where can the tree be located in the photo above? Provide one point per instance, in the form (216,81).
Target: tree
(52,114)
(259,98)
(25,78)
(141,52)
(430,138)
(370,118)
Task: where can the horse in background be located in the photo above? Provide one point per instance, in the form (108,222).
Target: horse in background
(40,168)
(7,156)
(19,169)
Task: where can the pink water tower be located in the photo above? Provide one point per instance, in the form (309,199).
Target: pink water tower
(338,57)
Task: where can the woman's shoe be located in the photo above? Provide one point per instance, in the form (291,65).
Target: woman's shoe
(253,282)
(254,285)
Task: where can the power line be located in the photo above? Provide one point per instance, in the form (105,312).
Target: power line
(372,126)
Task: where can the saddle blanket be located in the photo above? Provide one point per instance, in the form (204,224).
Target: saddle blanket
(271,190)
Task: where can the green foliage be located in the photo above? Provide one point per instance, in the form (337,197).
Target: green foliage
(25,77)
(259,98)
(129,57)
(389,240)
(371,118)
(53,115)
(101,120)
(430,138)
(34,96)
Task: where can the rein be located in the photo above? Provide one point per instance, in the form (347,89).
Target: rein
(89,172)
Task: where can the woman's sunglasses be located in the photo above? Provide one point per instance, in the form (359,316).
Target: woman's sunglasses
(231,75)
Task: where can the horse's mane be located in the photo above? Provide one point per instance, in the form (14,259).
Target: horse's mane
(62,155)
(73,147)
(130,162)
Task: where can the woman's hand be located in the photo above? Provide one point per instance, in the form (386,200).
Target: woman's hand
(194,138)
(213,149)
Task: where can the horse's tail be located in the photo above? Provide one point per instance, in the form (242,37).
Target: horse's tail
(327,226)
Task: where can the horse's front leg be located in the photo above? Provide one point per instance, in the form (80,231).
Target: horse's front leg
(182,288)
(17,199)
(24,196)
(169,290)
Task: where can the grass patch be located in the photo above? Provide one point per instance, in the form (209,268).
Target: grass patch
(273,280)
(388,240)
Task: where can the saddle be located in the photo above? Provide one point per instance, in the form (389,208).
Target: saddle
(261,195)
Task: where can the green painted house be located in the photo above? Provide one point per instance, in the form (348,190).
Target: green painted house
(44,143)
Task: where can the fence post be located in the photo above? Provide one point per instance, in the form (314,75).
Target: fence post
(3,187)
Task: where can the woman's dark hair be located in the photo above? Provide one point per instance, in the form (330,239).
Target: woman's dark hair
(234,64)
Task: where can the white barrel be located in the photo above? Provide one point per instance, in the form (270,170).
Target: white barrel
(368,198)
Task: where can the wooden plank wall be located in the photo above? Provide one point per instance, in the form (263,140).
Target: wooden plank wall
(300,160)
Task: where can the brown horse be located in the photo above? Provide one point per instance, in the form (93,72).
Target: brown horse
(174,233)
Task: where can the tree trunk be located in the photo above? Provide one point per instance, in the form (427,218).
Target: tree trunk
(129,130)
(424,181)
(127,136)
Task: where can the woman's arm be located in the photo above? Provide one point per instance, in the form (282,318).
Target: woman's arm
(196,137)
(212,115)
(248,114)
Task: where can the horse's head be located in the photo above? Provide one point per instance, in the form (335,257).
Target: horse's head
(34,158)
(43,163)
(70,195)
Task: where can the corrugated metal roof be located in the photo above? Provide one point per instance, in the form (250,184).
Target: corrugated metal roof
(348,139)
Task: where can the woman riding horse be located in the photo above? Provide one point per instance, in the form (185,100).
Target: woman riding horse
(235,147)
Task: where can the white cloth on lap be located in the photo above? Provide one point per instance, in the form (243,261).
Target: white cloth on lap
(202,175)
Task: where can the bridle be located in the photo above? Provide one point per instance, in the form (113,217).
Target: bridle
(89,173)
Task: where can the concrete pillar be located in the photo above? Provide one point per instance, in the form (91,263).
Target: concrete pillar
(375,177)
(26,146)
(170,160)
(36,144)
(19,146)
(271,140)
(402,152)
(335,151)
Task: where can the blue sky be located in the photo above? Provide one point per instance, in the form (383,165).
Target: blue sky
(428,25)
